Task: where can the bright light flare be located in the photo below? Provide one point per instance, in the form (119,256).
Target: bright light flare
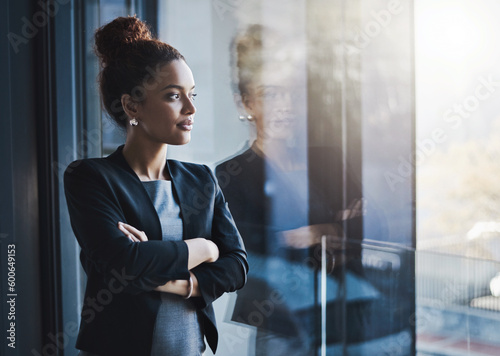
(454,33)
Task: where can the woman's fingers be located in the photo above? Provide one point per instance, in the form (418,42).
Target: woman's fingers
(356,208)
(127,233)
(310,235)
(132,233)
(133,238)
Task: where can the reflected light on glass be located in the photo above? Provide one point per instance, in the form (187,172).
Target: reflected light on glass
(451,32)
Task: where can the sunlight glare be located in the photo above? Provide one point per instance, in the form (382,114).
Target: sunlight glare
(451,33)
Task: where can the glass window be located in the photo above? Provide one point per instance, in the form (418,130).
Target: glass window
(297,109)
(458,255)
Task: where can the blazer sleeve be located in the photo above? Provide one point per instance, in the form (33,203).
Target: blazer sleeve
(229,272)
(94,212)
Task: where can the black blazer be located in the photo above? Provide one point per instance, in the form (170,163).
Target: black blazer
(244,180)
(120,305)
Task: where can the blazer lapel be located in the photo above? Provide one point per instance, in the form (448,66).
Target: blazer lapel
(145,215)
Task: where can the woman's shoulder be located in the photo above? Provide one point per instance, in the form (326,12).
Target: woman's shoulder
(89,166)
(87,175)
(108,165)
(240,160)
(84,165)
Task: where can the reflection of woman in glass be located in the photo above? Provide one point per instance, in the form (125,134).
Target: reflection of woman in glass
(158,242)
(278,210)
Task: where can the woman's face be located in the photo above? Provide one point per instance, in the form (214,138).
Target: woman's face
(273,99)
(167,111)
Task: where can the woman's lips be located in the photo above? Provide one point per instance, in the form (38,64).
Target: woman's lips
(186,125)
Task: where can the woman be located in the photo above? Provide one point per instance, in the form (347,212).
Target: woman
(158,242)
(283,202)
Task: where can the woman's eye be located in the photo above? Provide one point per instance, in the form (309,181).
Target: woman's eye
(269,94)
(174,96)
(193,96)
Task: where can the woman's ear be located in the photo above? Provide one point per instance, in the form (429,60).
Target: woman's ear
(244,104)
(129,106)
(239,104)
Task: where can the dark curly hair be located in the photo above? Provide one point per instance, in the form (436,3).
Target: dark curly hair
(259,46)
(130,58)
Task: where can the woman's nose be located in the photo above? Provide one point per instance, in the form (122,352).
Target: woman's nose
(189,108)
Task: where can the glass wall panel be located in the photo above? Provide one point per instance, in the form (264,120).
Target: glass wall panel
(457,152)
(305,111)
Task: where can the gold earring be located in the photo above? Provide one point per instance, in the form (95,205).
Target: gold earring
(133,122)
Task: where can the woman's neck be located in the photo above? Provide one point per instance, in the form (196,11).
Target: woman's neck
(277,153)
(147,159)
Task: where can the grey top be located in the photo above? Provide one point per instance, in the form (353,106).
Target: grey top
(177,330)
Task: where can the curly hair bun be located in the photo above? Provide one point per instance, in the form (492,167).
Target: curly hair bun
(114,39)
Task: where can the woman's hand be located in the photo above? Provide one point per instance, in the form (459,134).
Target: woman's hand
(180,287)
(200,251)
(311,237)
(307,236)
(132,233)
(356,208)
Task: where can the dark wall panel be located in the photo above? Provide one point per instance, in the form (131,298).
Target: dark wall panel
(19,180)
